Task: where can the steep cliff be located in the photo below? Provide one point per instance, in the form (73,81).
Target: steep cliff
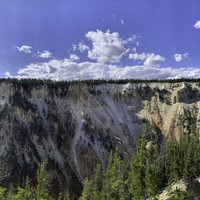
(75,127)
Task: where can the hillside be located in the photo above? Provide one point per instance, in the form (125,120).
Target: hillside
(76,126)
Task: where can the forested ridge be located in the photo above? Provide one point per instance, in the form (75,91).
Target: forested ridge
(29,82)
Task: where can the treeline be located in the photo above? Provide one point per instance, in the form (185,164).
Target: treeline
(151,170)
(54,84)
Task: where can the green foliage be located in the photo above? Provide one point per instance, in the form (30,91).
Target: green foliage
(87,190)
(2,193)
(151,169)
(40,192)
(180,195)
(28,83)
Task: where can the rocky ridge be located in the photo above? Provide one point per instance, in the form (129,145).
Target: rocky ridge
(75,127)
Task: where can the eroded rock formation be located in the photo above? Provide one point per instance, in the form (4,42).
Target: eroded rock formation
(75,127)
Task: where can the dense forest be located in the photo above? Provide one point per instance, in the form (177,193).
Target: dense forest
(28,82)
(137,179)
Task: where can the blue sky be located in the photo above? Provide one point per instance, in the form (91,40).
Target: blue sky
(106,39)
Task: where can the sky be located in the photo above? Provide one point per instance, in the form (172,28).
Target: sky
(100,39)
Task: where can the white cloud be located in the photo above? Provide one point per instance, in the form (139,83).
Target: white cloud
(137,43)
(83,47)
(74,47)
(67,69)
(134,49)
(63,70)
(185,55)
(107,47)
(45,54)
(24,48)
(122,21)
(197,25)
(136,56)
(129,40)
(179,57)
(153,60)
(74,57)
(7,73)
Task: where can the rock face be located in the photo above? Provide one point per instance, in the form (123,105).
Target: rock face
(75,127)
(183,185)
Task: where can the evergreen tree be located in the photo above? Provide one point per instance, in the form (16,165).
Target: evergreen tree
(98,183)
(2,193)
(151,181)
(138,169)
(87,190)
(115,182)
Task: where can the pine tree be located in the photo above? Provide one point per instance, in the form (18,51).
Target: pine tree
(116,179)
(2,193)
(176,163)
(138,169)
(98,183)
(87,190)
(41,192)
(151,181)
(23,193)
(188,171)
(159,174)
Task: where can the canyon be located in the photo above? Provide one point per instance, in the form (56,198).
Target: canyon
(75,127)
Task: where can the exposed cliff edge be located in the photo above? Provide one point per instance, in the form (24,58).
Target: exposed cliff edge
(75,127)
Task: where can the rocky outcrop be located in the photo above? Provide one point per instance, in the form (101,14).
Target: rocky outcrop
(183,185)
(76,127)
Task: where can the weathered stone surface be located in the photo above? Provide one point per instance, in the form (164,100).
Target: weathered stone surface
(183,185)
(68,126)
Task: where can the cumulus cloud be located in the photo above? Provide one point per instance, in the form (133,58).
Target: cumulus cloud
(50,69)
(197,24)
(67,69)
(137,43)
(107,47)
(179,57)
(82,47)
(45,54)
(122,21)
(153,60)
(74,57)
(7,73)
(24,48)
(136,56)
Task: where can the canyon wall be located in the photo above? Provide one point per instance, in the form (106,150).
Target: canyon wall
(76,127)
